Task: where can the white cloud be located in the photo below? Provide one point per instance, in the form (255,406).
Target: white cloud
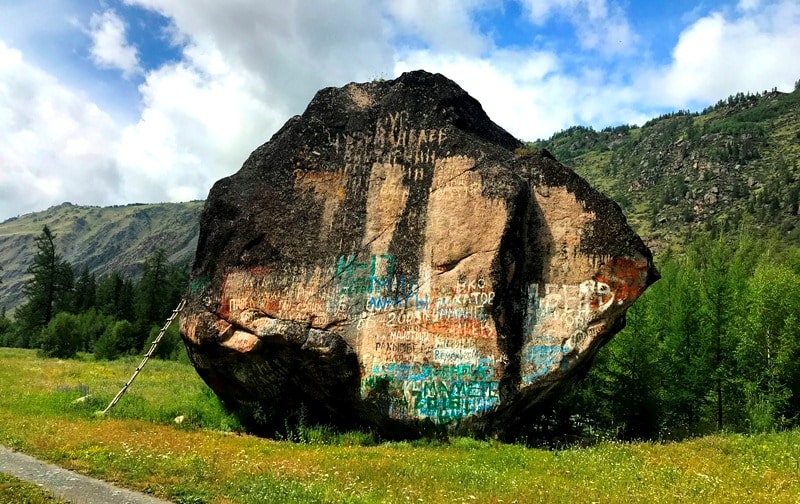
(529,94)
(244,72)
(721,54)
(55,142)
(201,118)
(748,5)
(110,47)
(599,25)
(294,47)
(445,25)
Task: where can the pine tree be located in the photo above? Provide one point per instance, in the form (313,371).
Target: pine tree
(85,291)
(151,303)
(631,380)
(718,313)
(158,292)
(5,328)
(114,296)
(49,289)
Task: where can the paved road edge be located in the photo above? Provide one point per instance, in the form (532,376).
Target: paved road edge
(67,484)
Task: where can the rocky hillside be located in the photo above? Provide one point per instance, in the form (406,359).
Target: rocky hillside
(107,239)
(736,162)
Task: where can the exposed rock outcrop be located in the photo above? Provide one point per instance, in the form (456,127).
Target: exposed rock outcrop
(391,259)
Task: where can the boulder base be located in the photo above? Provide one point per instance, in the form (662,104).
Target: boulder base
(393,259)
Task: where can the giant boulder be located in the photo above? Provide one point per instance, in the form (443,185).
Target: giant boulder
(393,259)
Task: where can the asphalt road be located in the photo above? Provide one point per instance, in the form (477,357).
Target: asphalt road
(66,484)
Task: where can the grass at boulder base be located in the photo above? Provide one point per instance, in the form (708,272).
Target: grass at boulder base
(48,410)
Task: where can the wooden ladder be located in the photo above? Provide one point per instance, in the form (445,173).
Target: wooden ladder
(147,356)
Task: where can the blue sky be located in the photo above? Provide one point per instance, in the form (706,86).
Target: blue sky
(119,101)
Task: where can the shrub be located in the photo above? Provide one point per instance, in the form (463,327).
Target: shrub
(117,339)
(61,337)
(92,326)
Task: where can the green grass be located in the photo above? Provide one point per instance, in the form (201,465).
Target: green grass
(205,459)
(13,491)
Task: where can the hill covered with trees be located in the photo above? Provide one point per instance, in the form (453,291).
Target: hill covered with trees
(63,314)
(737,162)
(101,240)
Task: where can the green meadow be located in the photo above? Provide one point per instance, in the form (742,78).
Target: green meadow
(48,409)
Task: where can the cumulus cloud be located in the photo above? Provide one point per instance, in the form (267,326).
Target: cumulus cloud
(529,93)
(201,117)
(55,142)
(722,53)
(446,25)
(599,25)
(243,73)
(295,48)
(110,47)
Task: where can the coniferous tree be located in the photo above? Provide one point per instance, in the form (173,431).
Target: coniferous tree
(85,291)
(630,383)
(158,292)
(718,311)
(683,357)
(115,296)
(151,298)
(49,289)
(5,328)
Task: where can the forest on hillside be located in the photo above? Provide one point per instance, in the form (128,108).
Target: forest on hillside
(684,172)
(65,313)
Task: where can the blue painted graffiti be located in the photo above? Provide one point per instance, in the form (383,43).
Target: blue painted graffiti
(199,284)
(543,358)
(440,393)
(387,290)
(357,277)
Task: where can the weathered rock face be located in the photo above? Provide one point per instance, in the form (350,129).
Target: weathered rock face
(388,260)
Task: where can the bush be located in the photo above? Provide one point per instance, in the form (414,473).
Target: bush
(118,339)
(6,330)
(61,338)
(92,326)
(170,347)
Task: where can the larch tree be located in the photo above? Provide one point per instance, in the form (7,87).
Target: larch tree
(49,288)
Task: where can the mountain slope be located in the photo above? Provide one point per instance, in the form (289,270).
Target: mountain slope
(106,239)
(737,162)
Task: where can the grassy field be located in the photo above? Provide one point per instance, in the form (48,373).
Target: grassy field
(206,459)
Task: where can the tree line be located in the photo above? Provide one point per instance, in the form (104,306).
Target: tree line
(713,346)
(111,316)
